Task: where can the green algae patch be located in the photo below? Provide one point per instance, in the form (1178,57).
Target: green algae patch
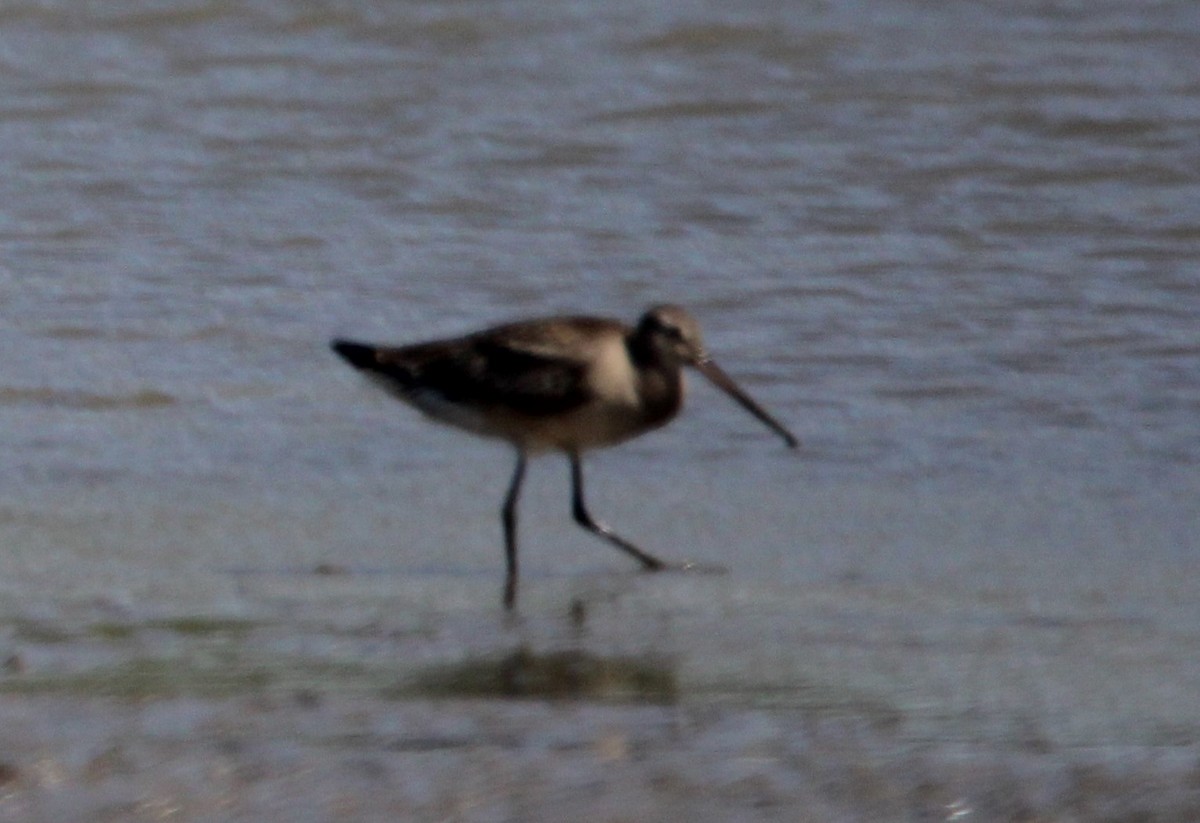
(112,631)
(43,632)
(144,679)
(200,626)
(208,668)
(562,675)
(36,631)
(203,626)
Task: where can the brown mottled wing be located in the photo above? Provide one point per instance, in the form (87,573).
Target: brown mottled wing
(485,371)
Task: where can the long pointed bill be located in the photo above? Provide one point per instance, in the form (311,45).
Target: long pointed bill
(725,383)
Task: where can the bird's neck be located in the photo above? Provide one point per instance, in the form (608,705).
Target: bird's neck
(660,381)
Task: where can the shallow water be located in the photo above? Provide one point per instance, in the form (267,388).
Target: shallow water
(954,248)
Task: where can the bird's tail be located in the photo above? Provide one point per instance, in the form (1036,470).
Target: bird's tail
(359,355)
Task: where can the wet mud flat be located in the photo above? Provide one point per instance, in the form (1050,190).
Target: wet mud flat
(940,658)
(228,719)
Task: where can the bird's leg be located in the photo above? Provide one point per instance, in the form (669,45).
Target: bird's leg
(580,512)
(509,515)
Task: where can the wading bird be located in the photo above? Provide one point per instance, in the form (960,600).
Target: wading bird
(559,383)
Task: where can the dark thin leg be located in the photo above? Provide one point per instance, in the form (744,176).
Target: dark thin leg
(580,512)
(509,515)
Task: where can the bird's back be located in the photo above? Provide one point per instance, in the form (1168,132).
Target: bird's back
(565,382)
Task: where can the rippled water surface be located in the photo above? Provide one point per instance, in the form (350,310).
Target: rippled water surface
(955,246)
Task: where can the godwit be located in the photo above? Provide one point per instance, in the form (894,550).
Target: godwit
(559,383)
